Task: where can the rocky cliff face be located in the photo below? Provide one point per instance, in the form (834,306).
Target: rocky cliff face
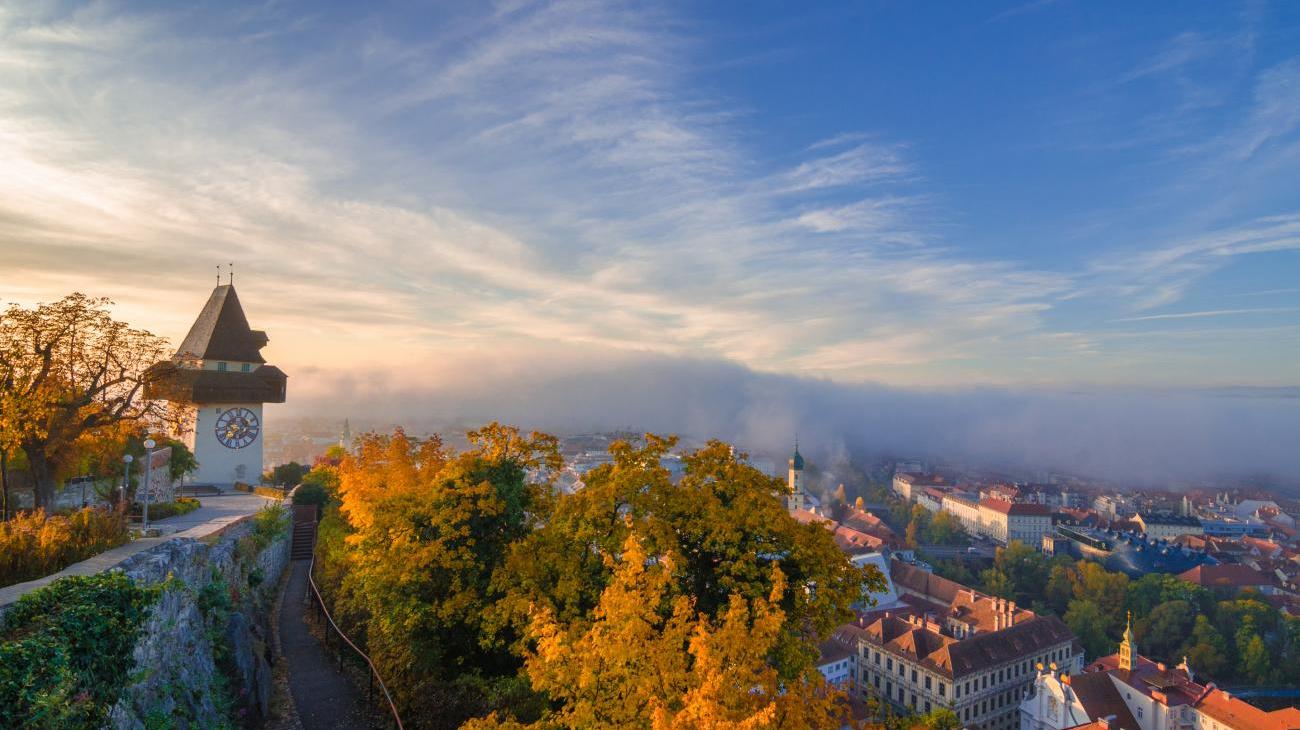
(203,661)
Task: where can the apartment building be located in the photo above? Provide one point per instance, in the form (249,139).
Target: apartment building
(906,484)
(964,507)
(1167,527)
(1006,521)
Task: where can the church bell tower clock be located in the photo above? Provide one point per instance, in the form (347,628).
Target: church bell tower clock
(219,372)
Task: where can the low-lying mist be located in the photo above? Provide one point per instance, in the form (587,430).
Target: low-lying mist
(1129,435)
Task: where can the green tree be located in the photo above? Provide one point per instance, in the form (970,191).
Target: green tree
(1206,650)
(1163,632)
(1107,590)
(996,582)
(1025,569)
(954,570)
(946,530)
(1153,589)
(1059,589)
(1256,664)
(182,459)
(1089,622)
(288,475)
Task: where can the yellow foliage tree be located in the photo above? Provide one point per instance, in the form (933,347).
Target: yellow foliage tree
(651,661)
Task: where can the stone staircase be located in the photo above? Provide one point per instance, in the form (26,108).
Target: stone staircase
(304,532)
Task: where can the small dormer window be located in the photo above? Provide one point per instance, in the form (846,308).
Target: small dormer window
(221,367)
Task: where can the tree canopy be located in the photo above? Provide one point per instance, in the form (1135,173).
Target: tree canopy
(68,369)
(638,600)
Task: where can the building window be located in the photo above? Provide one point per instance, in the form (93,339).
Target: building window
(927,681)
(943,690)
(889,664)
(221,367)
(913,676)
(246,367)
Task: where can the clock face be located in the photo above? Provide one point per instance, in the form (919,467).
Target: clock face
(237,428)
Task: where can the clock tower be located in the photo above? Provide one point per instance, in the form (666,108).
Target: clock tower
(219,372)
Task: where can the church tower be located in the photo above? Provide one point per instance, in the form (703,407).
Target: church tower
(796,499)
(219,372)
(1127,647)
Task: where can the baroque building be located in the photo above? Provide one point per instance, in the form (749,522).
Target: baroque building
(1127,691)
(951,646)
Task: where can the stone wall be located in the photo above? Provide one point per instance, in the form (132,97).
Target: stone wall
(203,658)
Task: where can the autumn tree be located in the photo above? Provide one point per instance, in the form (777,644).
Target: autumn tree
(725,523)
(650,660)
(68,369)
(428,529)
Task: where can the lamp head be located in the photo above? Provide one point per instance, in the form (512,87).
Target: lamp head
(149,443)
(128,458)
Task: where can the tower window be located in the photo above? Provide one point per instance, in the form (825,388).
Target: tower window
(221,367)
(246,367)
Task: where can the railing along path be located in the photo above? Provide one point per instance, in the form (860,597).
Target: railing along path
(374,673)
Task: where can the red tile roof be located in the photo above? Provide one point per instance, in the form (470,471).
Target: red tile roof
(1016,508)
(1225,576)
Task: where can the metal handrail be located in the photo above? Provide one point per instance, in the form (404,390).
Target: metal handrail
(374,673)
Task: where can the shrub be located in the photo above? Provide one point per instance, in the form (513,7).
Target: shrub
(63,650)
(311,494)
(34,545)
(163,510)
(269,523)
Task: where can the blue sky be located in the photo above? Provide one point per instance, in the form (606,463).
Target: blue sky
(919,194)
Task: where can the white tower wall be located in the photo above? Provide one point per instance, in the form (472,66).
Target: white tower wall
(219,464)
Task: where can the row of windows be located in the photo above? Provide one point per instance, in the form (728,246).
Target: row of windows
(243,367)
(1014,672)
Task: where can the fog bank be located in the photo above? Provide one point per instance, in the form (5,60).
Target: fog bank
(1133,436)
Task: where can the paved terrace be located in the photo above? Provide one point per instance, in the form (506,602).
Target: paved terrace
(216,513)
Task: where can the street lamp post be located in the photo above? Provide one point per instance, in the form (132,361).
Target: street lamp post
(126,480)
(148,463)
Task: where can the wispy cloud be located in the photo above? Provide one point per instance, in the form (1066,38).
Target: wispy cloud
(545,174)
(1208,313)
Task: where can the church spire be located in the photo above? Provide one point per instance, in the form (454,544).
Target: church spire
(1127,647)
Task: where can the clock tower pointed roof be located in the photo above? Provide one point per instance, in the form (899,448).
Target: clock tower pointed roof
(221,331)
